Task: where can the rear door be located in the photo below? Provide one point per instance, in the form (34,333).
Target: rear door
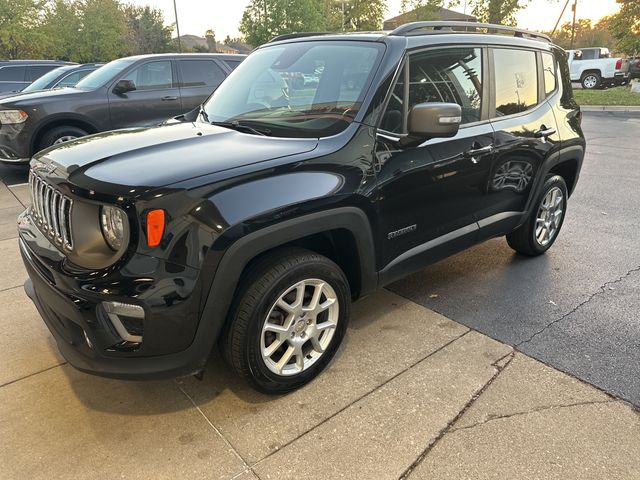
(526,134)
(155,99)
(198,79)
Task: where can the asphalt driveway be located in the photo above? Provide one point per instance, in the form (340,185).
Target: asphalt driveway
(577,308)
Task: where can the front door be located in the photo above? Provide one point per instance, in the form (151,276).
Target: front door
(155,99)
(428,195)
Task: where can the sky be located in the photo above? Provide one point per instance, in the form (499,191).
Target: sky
(223,16)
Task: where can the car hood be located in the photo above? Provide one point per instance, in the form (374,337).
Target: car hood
(159,156)
(19,98)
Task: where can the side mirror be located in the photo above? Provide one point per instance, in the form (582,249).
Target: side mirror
(432,120)
(124,86)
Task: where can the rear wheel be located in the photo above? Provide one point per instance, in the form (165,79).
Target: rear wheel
(62,134)
(542,227)
(591,80)
(288,320)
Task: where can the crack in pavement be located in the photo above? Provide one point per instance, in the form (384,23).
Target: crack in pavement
(448,428)
(367,393)
(533,410)
(599,291)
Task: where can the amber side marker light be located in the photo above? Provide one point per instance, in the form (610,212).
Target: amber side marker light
(155,227)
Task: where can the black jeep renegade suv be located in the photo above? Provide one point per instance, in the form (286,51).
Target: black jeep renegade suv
(326,166)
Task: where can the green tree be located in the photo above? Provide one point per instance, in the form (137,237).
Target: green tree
(354,15)
(264,19)
(625,26)
(60,30)
(19,22)
(424,10)
(586,34)
(103,33)
(146,30)
(501,12)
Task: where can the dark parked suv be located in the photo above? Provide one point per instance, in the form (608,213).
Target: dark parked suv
(253,222)
(18,74)
(129,92)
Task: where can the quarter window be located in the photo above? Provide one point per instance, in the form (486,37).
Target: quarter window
(516,81)
(550,73)
(200,73)
(151,76)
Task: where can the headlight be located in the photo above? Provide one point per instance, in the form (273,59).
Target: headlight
(113,222)
(12,116)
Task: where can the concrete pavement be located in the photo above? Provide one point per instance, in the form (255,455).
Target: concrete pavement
(411,394)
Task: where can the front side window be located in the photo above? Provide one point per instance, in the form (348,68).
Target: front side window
(301,89)
(200,73)
(73,78)
(450,75)
(516,80)
(36,71)
(151,76)
(550,73)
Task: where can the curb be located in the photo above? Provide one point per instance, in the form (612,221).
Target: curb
(610,108)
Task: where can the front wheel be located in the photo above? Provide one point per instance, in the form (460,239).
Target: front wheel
(542,227)
(288,320)
(59,135)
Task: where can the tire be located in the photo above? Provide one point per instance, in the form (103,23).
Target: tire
(276,280)
(527,239)
(60,135)
(591,80)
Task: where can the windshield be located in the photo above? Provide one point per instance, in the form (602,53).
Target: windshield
(303,89)
(44,81)
(104,74)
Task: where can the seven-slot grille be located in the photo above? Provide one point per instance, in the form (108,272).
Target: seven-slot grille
(51,210)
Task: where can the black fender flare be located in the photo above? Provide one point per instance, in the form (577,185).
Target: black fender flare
(242,251)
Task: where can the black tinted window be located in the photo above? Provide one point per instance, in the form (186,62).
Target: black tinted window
(36,71)
(200,73)
(516,81)
(452,75)
(12,74)
(550,73)
(393,119)
(151,76)
(233,63)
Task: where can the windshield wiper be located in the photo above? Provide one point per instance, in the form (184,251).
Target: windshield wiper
(241,127)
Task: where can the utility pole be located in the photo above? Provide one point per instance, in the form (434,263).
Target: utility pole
(343,15)
(573,25)
(175,10)
(560,17)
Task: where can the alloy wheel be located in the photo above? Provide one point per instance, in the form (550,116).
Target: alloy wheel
(590,81)
(549,216)
(299,327)
(64,139)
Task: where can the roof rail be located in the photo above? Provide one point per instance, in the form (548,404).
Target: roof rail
(414,28)
(289,36)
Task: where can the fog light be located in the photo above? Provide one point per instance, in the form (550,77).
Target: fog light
(127,319)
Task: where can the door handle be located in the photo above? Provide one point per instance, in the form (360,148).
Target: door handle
(544,132)
(475,153)
(169,98)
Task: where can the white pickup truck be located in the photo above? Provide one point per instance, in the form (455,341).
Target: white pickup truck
(594,67)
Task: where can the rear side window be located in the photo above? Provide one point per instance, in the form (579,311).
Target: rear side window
(200,73)
(550,73)
(36,71)
(12,74)
(452,75)
(516,81)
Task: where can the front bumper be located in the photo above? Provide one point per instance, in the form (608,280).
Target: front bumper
(172,345)
(15,142)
